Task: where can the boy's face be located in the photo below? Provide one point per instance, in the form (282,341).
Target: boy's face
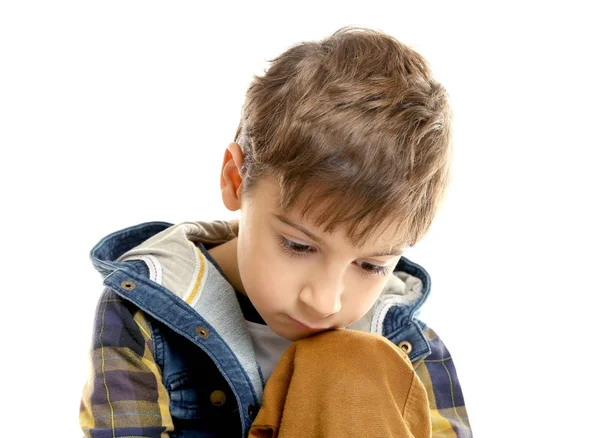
(300,279)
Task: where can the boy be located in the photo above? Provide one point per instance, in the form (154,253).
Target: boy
(339,163)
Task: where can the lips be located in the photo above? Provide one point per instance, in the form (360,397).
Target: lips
(305,326)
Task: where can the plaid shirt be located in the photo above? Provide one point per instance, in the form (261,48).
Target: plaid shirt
(126,394)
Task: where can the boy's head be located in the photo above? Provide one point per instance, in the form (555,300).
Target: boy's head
(349,138)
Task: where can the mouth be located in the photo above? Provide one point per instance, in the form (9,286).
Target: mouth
(304,326)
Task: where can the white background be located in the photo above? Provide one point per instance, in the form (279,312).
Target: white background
(117,113)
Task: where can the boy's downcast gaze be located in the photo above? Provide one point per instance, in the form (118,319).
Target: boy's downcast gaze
(300,317)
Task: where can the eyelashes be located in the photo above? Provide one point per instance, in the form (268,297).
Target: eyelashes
(294,248)
(298,250)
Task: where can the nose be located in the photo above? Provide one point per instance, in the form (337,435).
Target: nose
(323,295)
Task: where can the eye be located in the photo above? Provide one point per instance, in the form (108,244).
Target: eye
(371,269)
(296,249)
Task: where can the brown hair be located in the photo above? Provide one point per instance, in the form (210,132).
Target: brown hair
(356,125)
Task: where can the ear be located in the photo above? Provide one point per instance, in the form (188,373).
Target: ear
(231,180)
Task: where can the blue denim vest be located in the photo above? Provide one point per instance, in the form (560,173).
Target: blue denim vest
(196,362)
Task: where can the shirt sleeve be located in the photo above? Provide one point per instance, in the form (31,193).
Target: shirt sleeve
(449,417)
(124,394)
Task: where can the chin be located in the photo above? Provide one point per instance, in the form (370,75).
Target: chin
(291,336)
(300,335)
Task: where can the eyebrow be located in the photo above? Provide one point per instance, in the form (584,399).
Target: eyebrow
(395,251)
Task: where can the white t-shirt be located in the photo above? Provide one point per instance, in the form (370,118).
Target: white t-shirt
(268,346)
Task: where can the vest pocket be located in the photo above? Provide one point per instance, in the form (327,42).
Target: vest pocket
(195,398)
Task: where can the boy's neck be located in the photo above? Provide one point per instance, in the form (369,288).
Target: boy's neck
(226,257)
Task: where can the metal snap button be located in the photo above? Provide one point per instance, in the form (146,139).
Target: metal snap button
(128,285)
(202,332)
(218,398)
(251,411)
(405,346)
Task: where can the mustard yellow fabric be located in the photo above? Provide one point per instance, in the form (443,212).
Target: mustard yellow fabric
(343,383)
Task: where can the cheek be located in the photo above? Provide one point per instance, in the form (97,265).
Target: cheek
(265,273)
(359,301)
